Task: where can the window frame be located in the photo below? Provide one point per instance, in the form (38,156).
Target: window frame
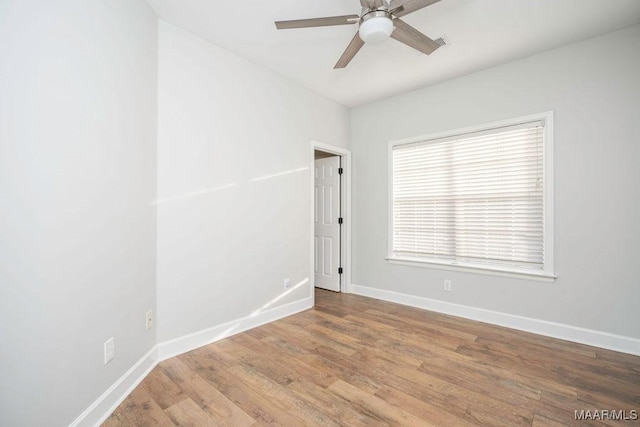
(547,274)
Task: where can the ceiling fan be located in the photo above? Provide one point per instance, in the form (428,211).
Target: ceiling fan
(379,20)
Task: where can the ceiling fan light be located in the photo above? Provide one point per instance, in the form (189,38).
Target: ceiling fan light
(376,29)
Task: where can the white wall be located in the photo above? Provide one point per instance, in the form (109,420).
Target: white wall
(233,184)
(77,181)
(594,89)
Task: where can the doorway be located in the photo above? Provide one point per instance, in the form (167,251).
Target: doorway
(330,228)
(327,221)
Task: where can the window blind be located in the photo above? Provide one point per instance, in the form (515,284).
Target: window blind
(474,198)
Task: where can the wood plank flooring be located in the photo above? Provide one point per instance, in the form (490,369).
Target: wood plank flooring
(356,361)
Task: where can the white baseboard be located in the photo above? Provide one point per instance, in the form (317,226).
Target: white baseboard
(100,410)
(104,406)
(541,327)
(174,347)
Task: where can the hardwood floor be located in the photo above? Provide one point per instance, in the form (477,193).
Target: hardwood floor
(357,361)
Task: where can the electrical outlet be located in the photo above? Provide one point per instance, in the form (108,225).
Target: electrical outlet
(287,283)
(148,323)
(447,285)
(109,350)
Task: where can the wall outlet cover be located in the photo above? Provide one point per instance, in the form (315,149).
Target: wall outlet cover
(148,319)
(109,350)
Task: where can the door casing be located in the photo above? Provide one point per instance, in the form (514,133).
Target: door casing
(345,195)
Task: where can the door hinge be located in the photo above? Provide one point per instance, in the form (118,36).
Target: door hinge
(339,220)
(340,170)
(339,270)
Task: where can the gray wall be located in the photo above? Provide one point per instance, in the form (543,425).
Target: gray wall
(77,182)
(234,146)
(594,89)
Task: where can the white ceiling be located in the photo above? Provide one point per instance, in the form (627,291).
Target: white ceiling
(480,34)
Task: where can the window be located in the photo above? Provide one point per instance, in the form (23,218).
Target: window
(475,198)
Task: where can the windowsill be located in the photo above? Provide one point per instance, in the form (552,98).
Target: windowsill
(491,271)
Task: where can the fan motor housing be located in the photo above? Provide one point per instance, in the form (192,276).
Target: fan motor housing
(375,26)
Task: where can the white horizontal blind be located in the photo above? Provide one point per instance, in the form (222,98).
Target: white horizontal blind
(474,198)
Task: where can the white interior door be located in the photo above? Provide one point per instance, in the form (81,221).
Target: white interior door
(327,228)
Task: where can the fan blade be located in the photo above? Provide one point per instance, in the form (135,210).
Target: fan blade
(318,22)
(404,7)
(351,50)
(408,35)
